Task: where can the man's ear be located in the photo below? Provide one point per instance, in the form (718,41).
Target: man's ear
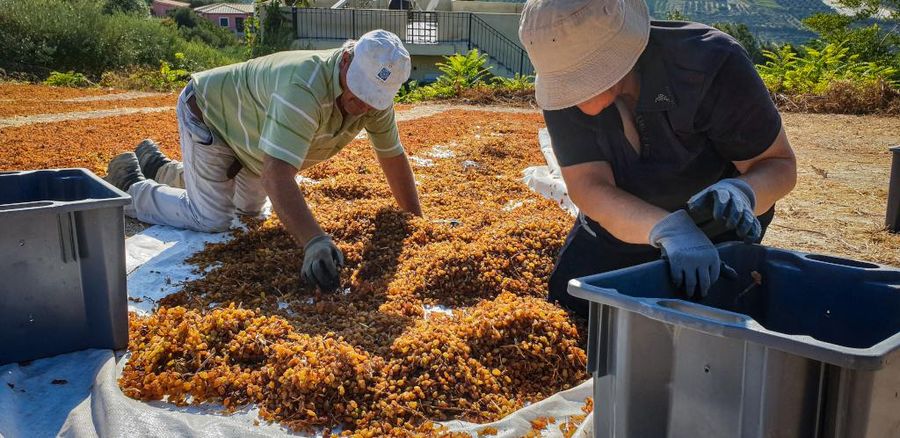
(345,59)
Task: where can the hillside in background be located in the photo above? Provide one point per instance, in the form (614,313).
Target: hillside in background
(769,20)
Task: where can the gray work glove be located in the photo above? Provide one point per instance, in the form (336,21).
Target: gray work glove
(322,263)
(693,260)
(732,202)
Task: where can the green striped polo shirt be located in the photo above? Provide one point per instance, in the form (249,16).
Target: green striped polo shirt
(283,105)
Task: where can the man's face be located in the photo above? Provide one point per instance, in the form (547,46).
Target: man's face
(598,103)
(347,102)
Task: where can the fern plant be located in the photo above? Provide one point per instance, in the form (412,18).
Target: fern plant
(519,82)
(813,71)
(462,71)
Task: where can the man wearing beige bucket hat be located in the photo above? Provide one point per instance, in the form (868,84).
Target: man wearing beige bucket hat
(656,126)
(246,130)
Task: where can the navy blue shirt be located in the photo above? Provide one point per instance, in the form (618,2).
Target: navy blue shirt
(701,106)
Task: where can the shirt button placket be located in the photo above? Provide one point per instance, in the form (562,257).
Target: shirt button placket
(642,132)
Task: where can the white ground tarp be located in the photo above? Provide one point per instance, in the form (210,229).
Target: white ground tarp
(76,394)
(547,180)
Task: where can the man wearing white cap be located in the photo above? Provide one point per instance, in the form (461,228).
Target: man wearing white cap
(247,129)
(657,126)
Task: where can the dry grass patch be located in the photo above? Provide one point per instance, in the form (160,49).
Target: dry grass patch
(838,206)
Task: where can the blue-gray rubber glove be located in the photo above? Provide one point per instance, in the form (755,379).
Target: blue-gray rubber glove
(732,202)
(322,263)
(693,260)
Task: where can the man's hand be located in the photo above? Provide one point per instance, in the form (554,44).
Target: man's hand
(322,263)
(731,202)
(693,260)
(321,259)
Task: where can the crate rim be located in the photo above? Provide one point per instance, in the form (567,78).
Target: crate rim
(120,198)
(870,358)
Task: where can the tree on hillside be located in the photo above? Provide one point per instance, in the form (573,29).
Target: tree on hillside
(184,17)
(194,27)
(269,30)
(889,9)
(676,15)
(870,42)
(133,7)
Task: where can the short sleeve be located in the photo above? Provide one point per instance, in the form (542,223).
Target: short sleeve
(383,133)
(741,119)
(574,137)
(291,121)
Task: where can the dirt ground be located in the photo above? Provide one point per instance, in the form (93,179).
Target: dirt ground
(838,206)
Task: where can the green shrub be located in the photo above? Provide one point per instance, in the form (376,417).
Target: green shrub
(138,41)
(193,27)
(133,78)
(871,42)
(462,71)
(812,71)
(199,56)
(270,31)
(413,92)
(78,36)
(164,78)
(68,79)
(33,40)
(466,77)
(829,79)
(519,82)
(135,7)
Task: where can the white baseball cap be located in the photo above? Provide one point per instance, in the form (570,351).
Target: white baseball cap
(581,48)
(379,67)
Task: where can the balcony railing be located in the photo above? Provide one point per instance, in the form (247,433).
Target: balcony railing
(414,27)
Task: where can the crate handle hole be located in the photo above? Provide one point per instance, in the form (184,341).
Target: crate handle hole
(701,311)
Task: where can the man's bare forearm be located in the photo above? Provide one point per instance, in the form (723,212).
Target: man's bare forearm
(627,217)
(772,175)
(624,215)
(402,182)
(771,180)
(288,201)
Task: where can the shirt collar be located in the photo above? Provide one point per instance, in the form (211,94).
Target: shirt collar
(336,89)
(656,93)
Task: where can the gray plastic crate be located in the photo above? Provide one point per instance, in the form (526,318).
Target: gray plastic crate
(62,264)
(812,351)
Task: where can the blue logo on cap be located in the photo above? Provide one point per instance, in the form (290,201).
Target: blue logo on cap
(384,74)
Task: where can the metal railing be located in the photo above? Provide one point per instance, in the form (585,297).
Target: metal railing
(498,47)
(414,27)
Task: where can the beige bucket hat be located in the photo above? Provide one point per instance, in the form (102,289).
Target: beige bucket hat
(581,48)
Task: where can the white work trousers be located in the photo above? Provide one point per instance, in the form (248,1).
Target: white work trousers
(197,194)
